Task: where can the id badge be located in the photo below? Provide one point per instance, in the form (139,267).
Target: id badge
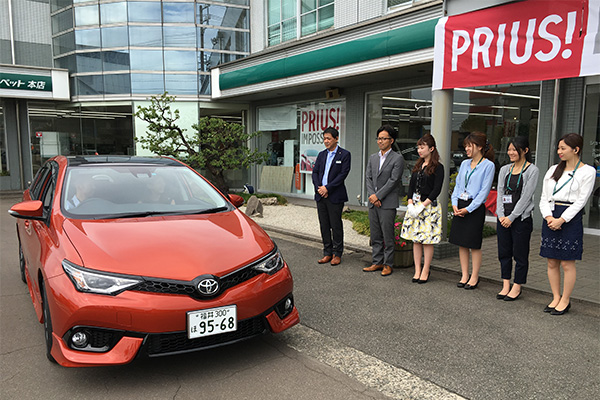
(507,199)
(464,196)
(416,197)
(551,206)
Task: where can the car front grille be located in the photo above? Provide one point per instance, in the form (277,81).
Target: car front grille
(172,343)
(188,288)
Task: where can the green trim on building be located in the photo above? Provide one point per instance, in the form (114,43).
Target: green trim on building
(408,38)
(39,83)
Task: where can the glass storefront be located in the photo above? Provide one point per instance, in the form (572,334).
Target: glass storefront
(3,156)
(500,111)
(74,130)
(591,150)
(292,136)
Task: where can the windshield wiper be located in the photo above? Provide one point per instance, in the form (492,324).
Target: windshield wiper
(143,214)
(209,210)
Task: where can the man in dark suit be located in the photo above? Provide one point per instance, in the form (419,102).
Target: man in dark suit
(331,169)
(383,177)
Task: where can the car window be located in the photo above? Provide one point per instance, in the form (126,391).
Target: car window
(41,179)
(125,190)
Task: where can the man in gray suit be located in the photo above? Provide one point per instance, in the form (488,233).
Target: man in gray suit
(383,176)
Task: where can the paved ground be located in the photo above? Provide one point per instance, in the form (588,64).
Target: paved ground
(299,219)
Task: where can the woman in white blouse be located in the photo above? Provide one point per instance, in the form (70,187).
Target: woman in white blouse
(567,187)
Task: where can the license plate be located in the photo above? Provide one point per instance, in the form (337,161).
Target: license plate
(212,321)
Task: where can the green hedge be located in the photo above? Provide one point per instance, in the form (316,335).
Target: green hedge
(281,200)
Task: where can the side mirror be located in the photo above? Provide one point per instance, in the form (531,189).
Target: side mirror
(33,209)
(236,200)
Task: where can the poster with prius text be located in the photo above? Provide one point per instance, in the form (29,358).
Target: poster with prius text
(314,119)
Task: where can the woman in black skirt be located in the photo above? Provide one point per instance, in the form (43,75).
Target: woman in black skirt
(473,184)
(567,187)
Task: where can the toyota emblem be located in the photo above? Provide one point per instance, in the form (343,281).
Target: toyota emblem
(208,286)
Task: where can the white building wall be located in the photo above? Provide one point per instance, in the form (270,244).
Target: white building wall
(258,25)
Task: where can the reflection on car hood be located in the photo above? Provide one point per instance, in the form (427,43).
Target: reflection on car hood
(174,247)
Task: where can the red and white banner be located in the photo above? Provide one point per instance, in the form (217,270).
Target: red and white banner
(525,41)
(314,119)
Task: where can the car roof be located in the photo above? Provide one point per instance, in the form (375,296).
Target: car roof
(75,161)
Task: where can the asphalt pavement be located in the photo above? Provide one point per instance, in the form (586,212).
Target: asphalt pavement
(362,336)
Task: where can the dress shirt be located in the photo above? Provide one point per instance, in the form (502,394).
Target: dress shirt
(577,191)
(383,156)
(330,157)
(480,183)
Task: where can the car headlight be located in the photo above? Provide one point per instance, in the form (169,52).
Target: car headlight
(271,264)
(89,281)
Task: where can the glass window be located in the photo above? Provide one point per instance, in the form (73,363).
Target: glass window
(58,4)
(221,39)
(204,87)
(240,2)
(117,84)
(181,84)
(89,85)
(178,12)
(180,36)
(591,150)
(89,62)
(176,60)
(67,62)
(325,17)
(113,13)
(86,15)
(62,21)
(147,84)
(115,37)
(399,3)
(64,43)
(144,11)
(208,60)
(147,60)
(231,17)
(87,39)
(146,36)
(309,23)
(115,60)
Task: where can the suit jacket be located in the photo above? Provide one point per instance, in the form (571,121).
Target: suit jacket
(340,167)
(385,182)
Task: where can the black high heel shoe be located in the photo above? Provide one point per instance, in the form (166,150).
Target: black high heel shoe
(500,296)
(508,298)
(462,284)
(471,287)
(415,280)
(556,312)
(548,309)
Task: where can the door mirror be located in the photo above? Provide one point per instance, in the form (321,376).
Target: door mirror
(33,209)
(236,200)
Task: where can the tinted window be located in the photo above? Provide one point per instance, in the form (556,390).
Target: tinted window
(144,12)
(181,84)
(87,39)
(147,83)
(145,36)
(87,15)
(178,12)
(115,37)
(180,60)
(179,36)
(115,60)
(148,60)
(112,13)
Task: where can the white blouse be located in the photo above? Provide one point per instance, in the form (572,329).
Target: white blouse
(576,191)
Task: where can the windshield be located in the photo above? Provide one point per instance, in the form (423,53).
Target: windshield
(120,191)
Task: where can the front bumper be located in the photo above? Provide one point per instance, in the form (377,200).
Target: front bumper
(136,324)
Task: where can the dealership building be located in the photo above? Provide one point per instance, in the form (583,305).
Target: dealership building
(71,80)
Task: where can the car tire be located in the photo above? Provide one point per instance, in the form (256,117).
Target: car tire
(47,324)
(22,264)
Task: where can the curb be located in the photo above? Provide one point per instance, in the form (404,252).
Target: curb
(367,250)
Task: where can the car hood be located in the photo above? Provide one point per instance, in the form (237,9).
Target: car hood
(173,247)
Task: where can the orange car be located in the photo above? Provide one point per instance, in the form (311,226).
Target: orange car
(129,257)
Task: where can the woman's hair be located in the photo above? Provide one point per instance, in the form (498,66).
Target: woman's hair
(573,140)
(521,144)
(479,139)
(429,141)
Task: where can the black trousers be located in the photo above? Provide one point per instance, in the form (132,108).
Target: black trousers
(513,243)
(332,229)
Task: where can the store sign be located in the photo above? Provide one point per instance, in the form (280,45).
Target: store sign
(38,83)
(314,120)
(518,42)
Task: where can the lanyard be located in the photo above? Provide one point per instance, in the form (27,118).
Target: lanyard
(568,180)
(468,176)
(518,180)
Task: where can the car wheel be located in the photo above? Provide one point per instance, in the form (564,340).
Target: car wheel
(47,324)
(22,265)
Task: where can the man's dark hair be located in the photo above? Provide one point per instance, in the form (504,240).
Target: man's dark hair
(390,130)
(332,131)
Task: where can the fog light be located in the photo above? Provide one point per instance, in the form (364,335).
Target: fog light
(80,339)
(288,304)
